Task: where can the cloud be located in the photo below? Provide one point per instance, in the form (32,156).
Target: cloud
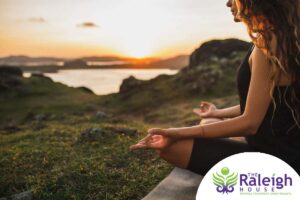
(87,25)
(37,20)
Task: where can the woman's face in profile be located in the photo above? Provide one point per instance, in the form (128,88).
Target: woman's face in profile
(233,5)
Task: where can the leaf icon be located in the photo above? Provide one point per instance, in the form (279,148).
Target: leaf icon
(232,180)
(218,180)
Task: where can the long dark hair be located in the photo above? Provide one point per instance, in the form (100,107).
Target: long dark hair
(281,18)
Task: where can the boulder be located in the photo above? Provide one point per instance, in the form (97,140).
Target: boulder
(126,131)
(22,196)
(85,89)
(11,71)
(11,128)
(180,184)
(40,117)
(101,115)
(10,78)
(129,84)
(93,134)
(217,49)
(97,134)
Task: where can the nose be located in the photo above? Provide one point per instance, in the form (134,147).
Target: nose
(229,3)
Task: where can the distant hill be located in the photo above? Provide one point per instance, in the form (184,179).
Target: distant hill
(21,60)
(177,62)
(102,58)
(51,62)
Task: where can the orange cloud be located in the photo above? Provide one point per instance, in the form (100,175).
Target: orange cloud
(87,25)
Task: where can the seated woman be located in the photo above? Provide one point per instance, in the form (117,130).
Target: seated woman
(268,83)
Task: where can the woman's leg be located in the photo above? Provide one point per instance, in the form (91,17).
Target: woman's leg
(179,152)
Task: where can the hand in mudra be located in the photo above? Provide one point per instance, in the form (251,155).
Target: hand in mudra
(206,109)
(152,141)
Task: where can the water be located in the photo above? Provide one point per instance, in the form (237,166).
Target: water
(104,81)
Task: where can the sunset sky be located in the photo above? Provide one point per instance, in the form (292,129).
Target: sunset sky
(137,28)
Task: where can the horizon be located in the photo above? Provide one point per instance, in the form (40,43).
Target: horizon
(96,28)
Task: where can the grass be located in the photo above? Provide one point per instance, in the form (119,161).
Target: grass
(55,164)
(49,157)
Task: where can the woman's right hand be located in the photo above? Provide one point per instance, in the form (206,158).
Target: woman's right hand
(206,109)
(157,142)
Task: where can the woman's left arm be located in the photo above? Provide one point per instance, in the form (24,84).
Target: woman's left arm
(258,100)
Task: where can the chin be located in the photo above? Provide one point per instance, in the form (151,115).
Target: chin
(236,19)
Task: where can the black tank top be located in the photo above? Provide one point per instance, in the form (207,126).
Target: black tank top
(278,133)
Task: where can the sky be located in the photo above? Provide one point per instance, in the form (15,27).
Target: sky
(135,28)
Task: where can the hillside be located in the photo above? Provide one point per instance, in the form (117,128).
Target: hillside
(210,74)
(59,142)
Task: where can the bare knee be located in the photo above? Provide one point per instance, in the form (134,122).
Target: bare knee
(178,154)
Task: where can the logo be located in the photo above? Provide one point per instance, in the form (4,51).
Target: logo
(225,182)
(250,176)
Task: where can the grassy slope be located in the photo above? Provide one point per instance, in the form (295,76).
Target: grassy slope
(46,156)
(49,158)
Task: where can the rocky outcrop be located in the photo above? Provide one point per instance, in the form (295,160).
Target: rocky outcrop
(10,71)
(129,84)
(10,77)
(98,134)
(217,49)
(211,71)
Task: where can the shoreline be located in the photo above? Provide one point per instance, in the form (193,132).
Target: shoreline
(55,68)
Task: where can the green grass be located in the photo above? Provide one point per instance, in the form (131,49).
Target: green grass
(50,158)
(55,164)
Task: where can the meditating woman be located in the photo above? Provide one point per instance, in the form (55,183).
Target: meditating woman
(268,83)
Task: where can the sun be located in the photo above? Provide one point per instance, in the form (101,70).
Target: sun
(138,53)
(137,49)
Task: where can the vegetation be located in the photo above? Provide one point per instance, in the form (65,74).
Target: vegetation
(67,143)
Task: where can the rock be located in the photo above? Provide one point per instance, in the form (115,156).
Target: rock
(40,117)
(41,75)
(10,78)
(129,84)
(180,184)
(101,115)
(97,134)
(93,134)
(11,128)
(85,89)
(22,196)
(217,49)
(125,131)
(38,126)
(12,71)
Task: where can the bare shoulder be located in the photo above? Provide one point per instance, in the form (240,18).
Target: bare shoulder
(262,54)
(258,56)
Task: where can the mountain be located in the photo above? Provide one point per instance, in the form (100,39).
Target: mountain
(102,58)
(25,60)
(176,62)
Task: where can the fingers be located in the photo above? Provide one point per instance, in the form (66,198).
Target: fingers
(146,138)
(138,146)
(145,143)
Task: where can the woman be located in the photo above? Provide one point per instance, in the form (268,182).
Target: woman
(268,84)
